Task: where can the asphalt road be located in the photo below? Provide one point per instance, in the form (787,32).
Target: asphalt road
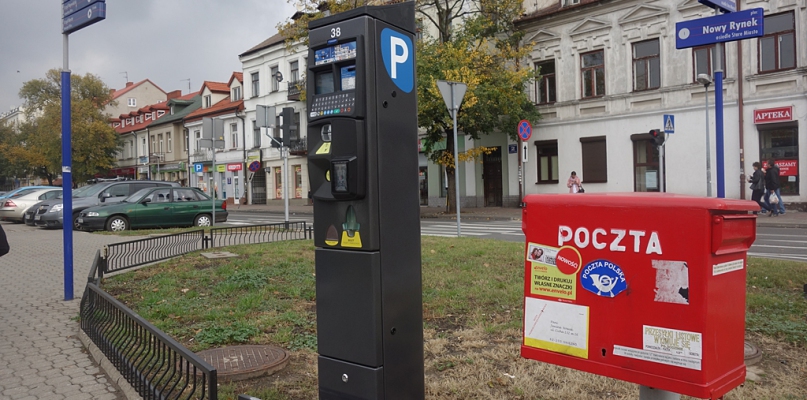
(783,243)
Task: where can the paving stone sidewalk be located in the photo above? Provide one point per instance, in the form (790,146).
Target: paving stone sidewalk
(41,356)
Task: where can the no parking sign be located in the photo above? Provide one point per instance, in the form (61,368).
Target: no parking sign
(524,130)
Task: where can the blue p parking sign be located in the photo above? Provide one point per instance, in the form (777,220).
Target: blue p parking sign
(398,54)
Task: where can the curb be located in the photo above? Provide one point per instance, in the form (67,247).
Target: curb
(117,379)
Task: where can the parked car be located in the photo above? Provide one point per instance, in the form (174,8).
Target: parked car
(31,212)
(25,189)
(50,213)
(13,208)
(154,208)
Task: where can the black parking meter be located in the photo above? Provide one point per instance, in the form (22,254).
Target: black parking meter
(362,157)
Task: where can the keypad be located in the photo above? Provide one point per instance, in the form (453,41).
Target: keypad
(333,104)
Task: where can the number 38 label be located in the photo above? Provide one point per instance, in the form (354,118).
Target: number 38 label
(336,32)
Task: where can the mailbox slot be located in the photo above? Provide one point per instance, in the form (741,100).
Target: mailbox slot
(733,233)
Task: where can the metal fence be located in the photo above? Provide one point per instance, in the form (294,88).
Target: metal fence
(253,234)
(153,363)
(120,256)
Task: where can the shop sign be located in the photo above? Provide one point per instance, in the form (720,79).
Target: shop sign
(786,167)
(234,167)
(768,115)
(221,168)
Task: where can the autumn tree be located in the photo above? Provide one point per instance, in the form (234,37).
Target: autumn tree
(39,142)
(475,43)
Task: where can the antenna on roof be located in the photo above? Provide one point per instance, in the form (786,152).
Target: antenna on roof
(189,84)
(126,74)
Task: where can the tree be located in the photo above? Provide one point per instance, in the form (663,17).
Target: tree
(476,44)
(38,142)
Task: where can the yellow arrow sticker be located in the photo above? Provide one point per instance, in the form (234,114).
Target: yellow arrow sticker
(325,148)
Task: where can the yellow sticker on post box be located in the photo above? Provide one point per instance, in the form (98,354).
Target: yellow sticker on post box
(553,271)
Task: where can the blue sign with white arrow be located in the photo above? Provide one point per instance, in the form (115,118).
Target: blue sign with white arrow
(720,28)
(728,6)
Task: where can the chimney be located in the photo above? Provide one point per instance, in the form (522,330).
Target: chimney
(174,94)
(111,91)
(129,84)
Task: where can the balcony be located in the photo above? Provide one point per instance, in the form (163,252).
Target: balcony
(298,147)
(295,89)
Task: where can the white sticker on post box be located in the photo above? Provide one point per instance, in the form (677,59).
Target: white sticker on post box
(672,281)
(661,358)
(556,326)
(729,266)
(672,341)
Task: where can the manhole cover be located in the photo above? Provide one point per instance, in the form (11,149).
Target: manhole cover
(237,363)
(752,354)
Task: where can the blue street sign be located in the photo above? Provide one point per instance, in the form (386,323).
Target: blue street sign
(84,17)
(720,28)
(512,148)
(728,6)
(197,167)
(71,6)
(669,123)
(398,54)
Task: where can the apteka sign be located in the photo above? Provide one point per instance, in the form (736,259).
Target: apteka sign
(768,115)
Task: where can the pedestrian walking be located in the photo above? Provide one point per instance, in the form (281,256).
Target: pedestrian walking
(4,248)
(574,183)
(757,181)
(772,189)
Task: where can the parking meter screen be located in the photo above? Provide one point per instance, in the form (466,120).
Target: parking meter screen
(340,172)
(348,76)
(324,82)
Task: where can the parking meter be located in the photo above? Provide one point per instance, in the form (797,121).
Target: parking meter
(362,157)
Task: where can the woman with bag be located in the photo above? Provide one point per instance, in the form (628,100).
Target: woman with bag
(574,184)
(757,181)
(772,187)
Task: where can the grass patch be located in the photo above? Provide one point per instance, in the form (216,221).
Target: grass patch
(472,305)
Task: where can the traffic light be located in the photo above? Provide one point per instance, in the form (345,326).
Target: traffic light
(658,136)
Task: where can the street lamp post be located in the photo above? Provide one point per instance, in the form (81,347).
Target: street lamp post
(706,80)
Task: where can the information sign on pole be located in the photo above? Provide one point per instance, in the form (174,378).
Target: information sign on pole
(728,6)
(720,28)
(84,17)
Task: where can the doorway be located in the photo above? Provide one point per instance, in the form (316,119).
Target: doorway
(492,177)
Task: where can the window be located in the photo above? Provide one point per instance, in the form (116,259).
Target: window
(198,135)
(273,77)
(169,143)
(235,93)
(132,102)
(705,61)
(645,164)
(570,2)
(545,86)
(160,140)
(153,143)
(782,144)
(256,84)
(185,144)
(593,70)
(777,49)
(298,181)
(145,148)
(208,100)
(595,161)
(234,135)
(646,65)
(295,134)
(547,164)
(256,134)
(120,190)
(294,71)
(419,29)
(276,130)
(148,116)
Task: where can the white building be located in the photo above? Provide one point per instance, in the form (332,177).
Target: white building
(219,101)
(611,70)
(273,76)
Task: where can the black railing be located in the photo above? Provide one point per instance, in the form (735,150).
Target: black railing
(253,234)
(153,363)
(120,256)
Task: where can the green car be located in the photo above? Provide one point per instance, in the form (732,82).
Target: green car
(156,207)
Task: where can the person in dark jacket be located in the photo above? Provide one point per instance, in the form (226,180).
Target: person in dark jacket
(3,242)
(757,181)
(772,187)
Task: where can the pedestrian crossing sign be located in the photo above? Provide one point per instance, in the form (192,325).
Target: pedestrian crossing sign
(669,123)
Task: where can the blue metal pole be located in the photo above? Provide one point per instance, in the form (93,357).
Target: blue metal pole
(67,180)
(720,162)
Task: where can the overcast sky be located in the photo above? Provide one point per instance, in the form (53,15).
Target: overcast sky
(166,41)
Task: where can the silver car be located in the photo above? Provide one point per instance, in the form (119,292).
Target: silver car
(13,208)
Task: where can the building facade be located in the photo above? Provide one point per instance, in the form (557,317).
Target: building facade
(273,76)
(134,96)
(169,159)
(611,71)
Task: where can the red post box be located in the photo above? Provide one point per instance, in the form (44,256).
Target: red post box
(643,287)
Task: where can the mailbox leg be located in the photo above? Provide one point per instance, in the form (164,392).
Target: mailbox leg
(648,393)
